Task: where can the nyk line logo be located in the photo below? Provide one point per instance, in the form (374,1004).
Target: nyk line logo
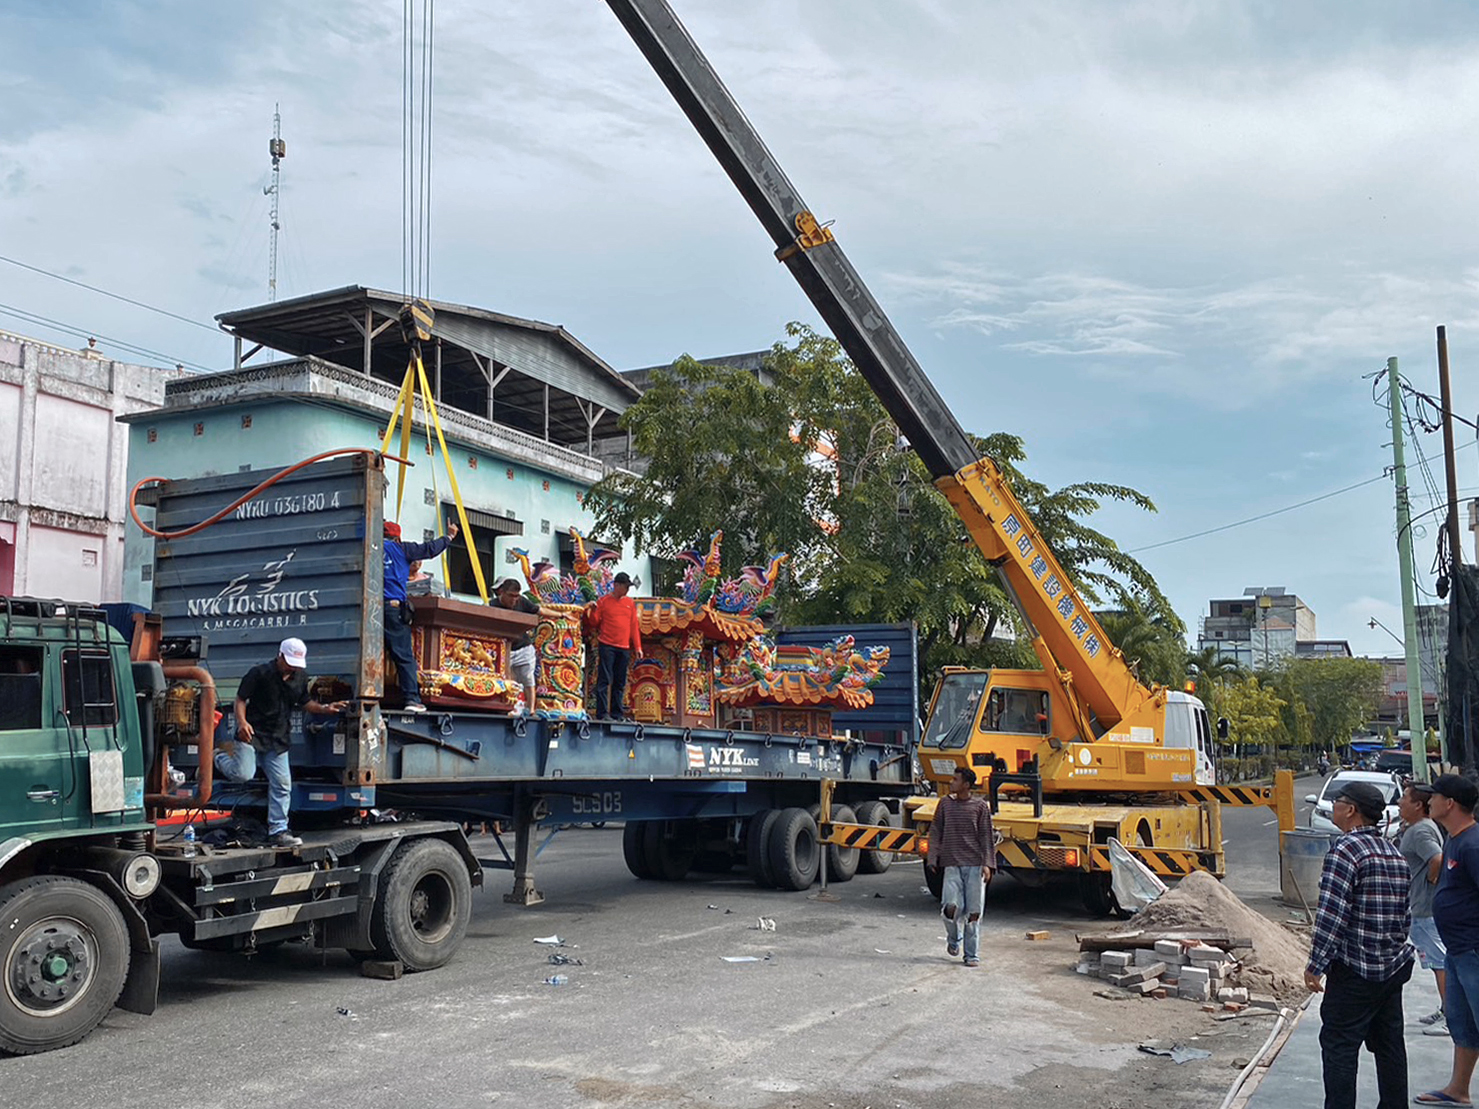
(719,760)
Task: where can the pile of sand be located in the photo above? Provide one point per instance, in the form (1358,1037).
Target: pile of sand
(1275,963)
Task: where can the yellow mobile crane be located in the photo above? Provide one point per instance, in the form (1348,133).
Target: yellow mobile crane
(1072,755)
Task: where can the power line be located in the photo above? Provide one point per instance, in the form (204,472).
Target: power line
(69,329)
(106,293)
(1260,516)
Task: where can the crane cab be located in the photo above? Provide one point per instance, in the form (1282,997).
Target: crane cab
(1020,722)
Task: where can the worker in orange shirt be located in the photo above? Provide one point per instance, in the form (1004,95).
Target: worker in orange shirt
(618,638)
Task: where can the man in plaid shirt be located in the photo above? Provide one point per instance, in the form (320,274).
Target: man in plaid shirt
(1361,951)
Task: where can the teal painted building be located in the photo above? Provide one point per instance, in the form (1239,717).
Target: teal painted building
(528,412)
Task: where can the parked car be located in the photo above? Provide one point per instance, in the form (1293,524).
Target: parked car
(1394,760)
(1389,784)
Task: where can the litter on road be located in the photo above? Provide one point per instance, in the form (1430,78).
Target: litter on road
(554,941)
(739,958)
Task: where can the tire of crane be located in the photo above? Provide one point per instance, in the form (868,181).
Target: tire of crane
(934,878)
(842,862)
(634,848)
(875,814)
(757,855)
(795,854)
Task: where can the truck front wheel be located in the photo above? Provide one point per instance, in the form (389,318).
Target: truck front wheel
(66,955)
(425,903)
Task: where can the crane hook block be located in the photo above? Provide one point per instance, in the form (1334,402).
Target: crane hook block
(416,320)
(810,234)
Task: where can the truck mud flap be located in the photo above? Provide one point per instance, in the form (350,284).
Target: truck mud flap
(141,988)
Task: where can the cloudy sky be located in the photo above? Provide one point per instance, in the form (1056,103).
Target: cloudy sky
(1165,242)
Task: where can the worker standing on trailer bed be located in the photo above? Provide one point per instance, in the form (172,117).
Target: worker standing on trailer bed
(618,640)
(265,701)
(963,844)
(521,657)
(398,558)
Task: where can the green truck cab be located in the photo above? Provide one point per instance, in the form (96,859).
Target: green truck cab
(76,869)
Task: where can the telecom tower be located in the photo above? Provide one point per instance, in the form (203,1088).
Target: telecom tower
(279,150)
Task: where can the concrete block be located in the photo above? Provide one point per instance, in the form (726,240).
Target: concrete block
(1194,992)
(1193,976)
(1233,993)
(1144,989)
(1202,954)
(1117,958)
(1264,1001)
(1137,975)
(1146,956)
(1170,950)
(1039,935)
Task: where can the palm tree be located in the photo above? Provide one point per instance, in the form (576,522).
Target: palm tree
(1210,667)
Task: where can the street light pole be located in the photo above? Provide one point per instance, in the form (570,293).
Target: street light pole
(1415,721)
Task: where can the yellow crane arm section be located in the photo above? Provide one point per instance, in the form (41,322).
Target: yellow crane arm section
(1047,600)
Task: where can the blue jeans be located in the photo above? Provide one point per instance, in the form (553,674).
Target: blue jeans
(239,764)
(964,892)
(398,643)
(1461,1000)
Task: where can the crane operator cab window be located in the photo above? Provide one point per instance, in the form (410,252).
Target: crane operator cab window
(953,715)
(1021,711)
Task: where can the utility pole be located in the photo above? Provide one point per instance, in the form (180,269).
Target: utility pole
(1409,605)
(279,150)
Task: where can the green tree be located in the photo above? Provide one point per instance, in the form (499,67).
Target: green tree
(1153,643)
(812,465)
(1255,715)
(1329,698)
(1209,668)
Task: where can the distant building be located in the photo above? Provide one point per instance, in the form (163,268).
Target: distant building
(1259,628)
(1324,648)
(63,493)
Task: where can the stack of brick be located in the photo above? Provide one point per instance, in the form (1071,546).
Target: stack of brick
(1171,968)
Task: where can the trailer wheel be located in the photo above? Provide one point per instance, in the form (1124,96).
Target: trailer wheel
(634,848)
(842,862)
(875,813)
(670,855)
(757,847)
(65,959)
(794,852)
(425,902)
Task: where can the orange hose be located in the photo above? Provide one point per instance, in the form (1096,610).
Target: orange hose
(133,509)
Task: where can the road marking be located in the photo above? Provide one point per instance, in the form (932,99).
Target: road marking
(1270,823)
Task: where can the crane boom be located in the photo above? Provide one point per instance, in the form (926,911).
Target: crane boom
(1065,633)
(825,275)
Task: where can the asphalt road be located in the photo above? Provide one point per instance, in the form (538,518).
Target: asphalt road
(851,1003)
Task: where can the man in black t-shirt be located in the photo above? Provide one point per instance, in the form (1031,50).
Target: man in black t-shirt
(1456,912)
(265,701)
(521,656)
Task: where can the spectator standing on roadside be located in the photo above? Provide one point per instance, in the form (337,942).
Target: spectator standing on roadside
(962,843)
(1360,958)
(1456,911)
(1422,846)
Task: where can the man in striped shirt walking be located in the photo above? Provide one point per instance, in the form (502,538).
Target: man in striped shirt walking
(1361,951)
(962,843)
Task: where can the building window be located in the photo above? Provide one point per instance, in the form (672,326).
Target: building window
(87,679)
(487,528)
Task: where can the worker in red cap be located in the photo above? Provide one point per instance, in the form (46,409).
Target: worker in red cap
(398,558)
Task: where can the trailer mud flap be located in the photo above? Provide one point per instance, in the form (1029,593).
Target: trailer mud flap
(141,988)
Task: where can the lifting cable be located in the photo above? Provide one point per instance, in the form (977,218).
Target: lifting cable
(133,509)
(416,321)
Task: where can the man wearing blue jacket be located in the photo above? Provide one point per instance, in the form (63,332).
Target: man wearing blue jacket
(398,558)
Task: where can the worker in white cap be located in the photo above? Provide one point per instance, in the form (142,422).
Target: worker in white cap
(265,701)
